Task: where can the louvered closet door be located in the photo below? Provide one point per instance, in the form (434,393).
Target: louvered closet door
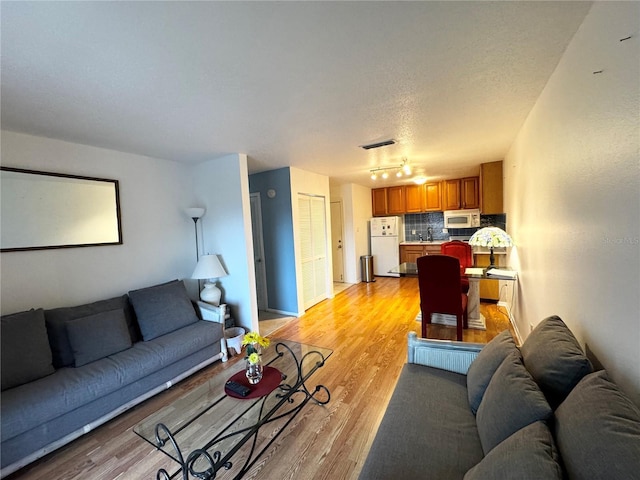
(313,248)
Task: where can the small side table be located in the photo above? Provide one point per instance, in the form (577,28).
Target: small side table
(218,314)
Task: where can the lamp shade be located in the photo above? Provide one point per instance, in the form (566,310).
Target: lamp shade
(195,212)
(490,237)
(209,267)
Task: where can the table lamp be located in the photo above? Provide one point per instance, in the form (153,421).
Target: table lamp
(491,237)
(209,268)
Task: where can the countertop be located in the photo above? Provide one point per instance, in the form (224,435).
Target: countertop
(424,242)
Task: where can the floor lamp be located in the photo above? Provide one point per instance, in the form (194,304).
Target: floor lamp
(195,213)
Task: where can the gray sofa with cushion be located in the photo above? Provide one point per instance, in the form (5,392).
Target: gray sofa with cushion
(469,411)
(67,370)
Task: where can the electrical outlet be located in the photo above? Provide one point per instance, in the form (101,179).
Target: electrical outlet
(445,230)
(413,232)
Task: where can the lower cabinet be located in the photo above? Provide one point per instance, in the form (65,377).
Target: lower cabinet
(410,253)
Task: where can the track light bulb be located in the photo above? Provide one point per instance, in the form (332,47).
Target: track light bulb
(385,175)
(373,175)
(399,173)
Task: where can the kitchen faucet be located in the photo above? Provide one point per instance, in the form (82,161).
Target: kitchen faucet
(429,234)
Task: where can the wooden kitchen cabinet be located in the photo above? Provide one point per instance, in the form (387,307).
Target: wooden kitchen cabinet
(451,194)
(379,202)
(410,253)
(461,193)
(415,198)
(395,200)
(491,190)
(470,192)
(432,197)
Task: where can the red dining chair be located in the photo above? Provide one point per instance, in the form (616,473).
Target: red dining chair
(463,252)
(439,283)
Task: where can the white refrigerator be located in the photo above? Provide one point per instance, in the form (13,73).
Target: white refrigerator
(386,235)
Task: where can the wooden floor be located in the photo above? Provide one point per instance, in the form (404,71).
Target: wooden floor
(366,325)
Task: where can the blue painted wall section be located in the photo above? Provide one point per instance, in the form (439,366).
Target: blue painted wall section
(277,233)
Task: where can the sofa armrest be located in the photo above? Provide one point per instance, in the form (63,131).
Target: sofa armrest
(215,313)
(443,354)
(212,313)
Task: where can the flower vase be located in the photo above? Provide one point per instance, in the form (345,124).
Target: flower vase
(254,366)
(254,372)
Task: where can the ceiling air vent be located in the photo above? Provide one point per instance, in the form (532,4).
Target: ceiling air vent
(384,143)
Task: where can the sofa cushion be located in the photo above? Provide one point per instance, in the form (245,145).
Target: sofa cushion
(512,401)
(162,308)
(35,403)
(26,354)
(484,366)
(427,432)
(57,319)
(528,454)
(555,359)
(97,336)
(597,429)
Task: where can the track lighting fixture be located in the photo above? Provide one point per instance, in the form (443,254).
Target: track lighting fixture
(402,169)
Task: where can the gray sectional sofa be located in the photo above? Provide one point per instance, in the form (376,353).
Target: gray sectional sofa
(67,370)
(469,411)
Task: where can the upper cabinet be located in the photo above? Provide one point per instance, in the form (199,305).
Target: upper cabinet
(423,198)
(414,198)
(461,193)
(491,188)
(388,201)
(406,199)
(432,197)
(395,200)
(484,192)
(379,201)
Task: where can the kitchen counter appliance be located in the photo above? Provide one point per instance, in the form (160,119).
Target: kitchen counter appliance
(461,218)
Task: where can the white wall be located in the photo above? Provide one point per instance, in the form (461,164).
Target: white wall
(158,243)
(311,184)
(222,187)
(572,194)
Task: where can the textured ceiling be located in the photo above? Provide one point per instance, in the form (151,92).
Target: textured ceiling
(290,84)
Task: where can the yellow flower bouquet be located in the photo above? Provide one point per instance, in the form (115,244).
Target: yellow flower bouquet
(254,343)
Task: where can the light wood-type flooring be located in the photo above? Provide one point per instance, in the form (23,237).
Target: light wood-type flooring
(366,325)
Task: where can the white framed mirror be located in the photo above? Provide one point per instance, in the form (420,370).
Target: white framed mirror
(41,210)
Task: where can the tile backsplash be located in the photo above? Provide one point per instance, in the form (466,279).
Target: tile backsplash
(420,222)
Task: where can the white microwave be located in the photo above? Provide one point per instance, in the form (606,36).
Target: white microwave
(461,218)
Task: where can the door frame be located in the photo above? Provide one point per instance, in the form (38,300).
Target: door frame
(259,263)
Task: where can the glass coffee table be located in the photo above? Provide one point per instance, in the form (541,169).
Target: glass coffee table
(208,432)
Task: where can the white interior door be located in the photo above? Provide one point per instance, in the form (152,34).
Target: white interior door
(336,241)
(258,251)
(313,248)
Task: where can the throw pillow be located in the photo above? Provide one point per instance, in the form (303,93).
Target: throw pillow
(26,354)
(555,359)
(528,454)
(57,319)
(512,401)
(597,429)
(162,309)
(98,336)
(484,366)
